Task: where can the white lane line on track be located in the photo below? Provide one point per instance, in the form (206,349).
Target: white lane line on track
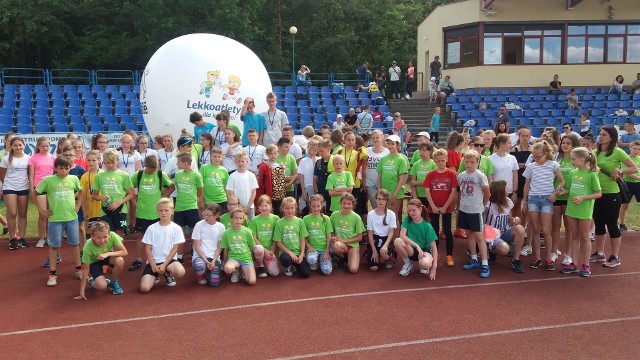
(460,337)
(302,300)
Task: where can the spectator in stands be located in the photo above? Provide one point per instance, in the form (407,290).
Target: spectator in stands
(555,87)
(394,78)
(566,130)
(381,79)
(410,80)
(275,120)
(616,87)
(626,139)
(434,68)
(503,116)
(500,128)
(585,124)
(635,86)
(365,121)
(338,124)
(364,74)
(302,79)
(446,89)
(350,119)
(572,100)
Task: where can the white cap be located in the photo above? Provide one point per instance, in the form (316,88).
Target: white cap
(433,78)
(339,116)
(424,133)
(394,138)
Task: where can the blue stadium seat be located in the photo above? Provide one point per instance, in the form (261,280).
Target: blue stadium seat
(120,102)
(111,88)
(75,102)
(314,103)
(105,110)
(330,109)
(24,111)
(79,128)
(59,119)
(37,120)
(353,102)
(135,110)
(62,128)
(110,119)
(6,111)
(317,117)
(121,110)
(6,127)
(56,110)
(304,110)
(73,110)
(24,129)
(76,119)
(126,118)
(43,128)
(114,127)
(41,111)
(341,102)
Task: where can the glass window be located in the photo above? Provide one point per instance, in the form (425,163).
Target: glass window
(553,32)
(453,53)
(615,29)
(575,50)
(633,29)
(552,53)
(595,51)
(532,51)
(633,49)
(577,30)
(533,32)
(615,49)
(596,29)
(492,51)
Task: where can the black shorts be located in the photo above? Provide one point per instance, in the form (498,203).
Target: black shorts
(16,192)
(116,222)
(92,221)
(95,268)
(424,201)
(378,241)
(414,257)
(471,222)
(634,190)
(560,203)
(143,224)
(186,218)
(361,201)
(148,271)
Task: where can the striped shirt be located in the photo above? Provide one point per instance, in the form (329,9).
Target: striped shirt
(541,177)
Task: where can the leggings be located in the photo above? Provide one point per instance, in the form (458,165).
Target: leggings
(409,86)
(605,214)
(434,219)
(434,137)
(303,268)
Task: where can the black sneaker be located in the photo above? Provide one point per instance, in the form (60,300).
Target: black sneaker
(170,280)
(135,265)
(536,264)
(550,266)
(23,243)
(492,258)
(261,271)
(341,263)
(5,231)
(516,266)
(13,244)
(623,227)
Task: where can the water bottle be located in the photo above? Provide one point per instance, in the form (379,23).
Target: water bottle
(107,201)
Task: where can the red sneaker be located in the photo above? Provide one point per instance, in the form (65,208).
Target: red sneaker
(442,236)
(459,233)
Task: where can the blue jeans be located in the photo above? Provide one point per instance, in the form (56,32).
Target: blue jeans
(540,203)
(57,229)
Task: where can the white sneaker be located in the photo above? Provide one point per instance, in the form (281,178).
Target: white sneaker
(554,257)
(41,243)
(235,277)
(592,236)
(52,281)
(567,260)
(406,269)
(526,251)
(390,264)
(424,271)
(288,271)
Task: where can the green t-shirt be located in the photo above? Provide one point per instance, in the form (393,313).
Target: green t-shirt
(334,181)
(262,228)
(420,169)
(347,226)
(337,149)
(187,184)
(91,251)
(239,242)
(581,182)
(290,232)
(486,166)
(421,233)
(290,165)
(225,219)
(636,160)
(215,182)
(149,193)
(318,227)
(113,184)
(391,167)
(61,196)
(610,163)
(565,168)
(415,157)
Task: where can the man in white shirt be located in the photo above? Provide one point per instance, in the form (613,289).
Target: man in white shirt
(295,149)
(365,121)
(275,120)
(566,130)
(394,80)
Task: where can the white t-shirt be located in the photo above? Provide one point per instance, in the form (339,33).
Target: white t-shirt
(499,220)
(563,134)
(584,127)
(306,169)
(374,158)
(337,126)
(394,73)
(208,235)
(162,240)
(164,157)
(145,154)
(274,123)
(171,168)
(296,151)
(127,162)
(375,223)
(256,155)
(242,184)
(229,161)
(16,178)
(504,168)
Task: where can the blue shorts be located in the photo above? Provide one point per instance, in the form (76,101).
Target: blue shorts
(57,229)
(540,203)
(506,236)
(95,268)
(243,264)
(186,218)
(116,222)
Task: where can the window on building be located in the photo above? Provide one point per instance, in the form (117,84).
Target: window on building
(603,43)
(523,44)
(461,47)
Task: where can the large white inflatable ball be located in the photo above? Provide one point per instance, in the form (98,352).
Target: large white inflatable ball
(206,73)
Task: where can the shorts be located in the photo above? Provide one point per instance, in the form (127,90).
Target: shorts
(378,241)
(361,201)
(143,224)
(57,230)
(186,218)
(80,216)
(95,268)
(243,264)
(560,203)
(414,257)
(540,203)
(506,236)
(148,271)
(116,222)
(471,222)
(14,192)
(92,221)
(634,190)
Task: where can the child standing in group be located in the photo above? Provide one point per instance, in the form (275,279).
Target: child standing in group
(232,204)
(320,231)
(129,161)
(416,241)
(215,178)
(189,195)
(143,148)
(243,184)
(257,153)
(60,190)
(206,236)
(162,240)
(39,166)
(348,229)
(167,152)
(199,125)
(563,158)
(423,137)
(237,243)
(633,182)
(419,172)
(105,248)
(230,148)
(441,191)
(271,178)
(114,189)
(321,171)
(434,125)
(290,234)
(15,191)
(392,175)
(290,165)
(307,164)
(338,183)
(376,152)
(539,195)
(381,223)
(150,185)
(584,187)
(262,226)
(474,194)
(355,162)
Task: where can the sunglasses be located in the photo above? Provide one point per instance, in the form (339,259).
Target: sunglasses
(566,128)
(396,115)
(479,145)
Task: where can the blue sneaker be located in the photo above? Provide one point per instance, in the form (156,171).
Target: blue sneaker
(45,263)
(115,287)
(473,264)
(485,272)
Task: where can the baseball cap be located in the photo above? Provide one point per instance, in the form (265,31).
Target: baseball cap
(424,133)
(394,138)
(339,116)
(629,121)
(185,141)
(433,78)
(393,62)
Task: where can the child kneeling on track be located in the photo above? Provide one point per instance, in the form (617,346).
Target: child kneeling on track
(348,229)
(320,231)
(161,242)
(416,241)
(290,234)
(105,248)
(262,226)
(381,223)
(206,236)
(237,243)
(499,217)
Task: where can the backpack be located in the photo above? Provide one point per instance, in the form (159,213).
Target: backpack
(159,172)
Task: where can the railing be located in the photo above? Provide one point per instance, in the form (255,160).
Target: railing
(114,77)
(70,76)
(29,76)
(280,78)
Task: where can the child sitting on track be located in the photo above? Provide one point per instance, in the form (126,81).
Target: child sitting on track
(381,223)
(416,241)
